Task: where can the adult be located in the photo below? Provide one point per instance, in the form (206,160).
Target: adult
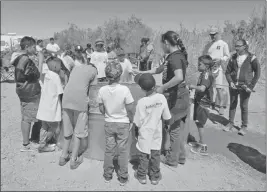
(174,88)
(88,51)
(146,54)
(28,90)
(219,52)
(52,47)
(127,69)
(67,59)
(40,45)
(99,58)
(79,56)
(242,73)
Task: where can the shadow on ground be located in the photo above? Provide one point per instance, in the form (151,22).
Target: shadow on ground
(218,119)
(249,155)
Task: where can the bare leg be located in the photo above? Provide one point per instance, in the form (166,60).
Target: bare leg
(84,146)
(66,145)
(25,129)
(201,133)
(76,147)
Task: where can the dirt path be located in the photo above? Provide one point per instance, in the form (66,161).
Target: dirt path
(222,170)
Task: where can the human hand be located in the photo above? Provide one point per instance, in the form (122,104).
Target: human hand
(232,85)
(160,90)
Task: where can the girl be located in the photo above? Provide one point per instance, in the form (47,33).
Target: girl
(177,95)
(99,58)
(126,76)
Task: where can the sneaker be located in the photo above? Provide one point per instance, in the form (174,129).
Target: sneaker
(75,164)
(46,148)
(123,181)
(242,131)
(107,179)
(193,144)
(202,149)
(228,127)
(142,181)
(155,182)
(27,148)
(221,111)
(34,144)
(164,161)
(63,161)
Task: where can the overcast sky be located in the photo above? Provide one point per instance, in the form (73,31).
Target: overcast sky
(43,18)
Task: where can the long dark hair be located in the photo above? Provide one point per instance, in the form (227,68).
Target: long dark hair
(174,39)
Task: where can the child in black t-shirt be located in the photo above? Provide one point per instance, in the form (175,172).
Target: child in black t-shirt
(202,100)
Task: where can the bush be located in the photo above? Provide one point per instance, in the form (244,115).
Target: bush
(127,34)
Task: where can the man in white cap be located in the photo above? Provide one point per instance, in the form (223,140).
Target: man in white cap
(219,52)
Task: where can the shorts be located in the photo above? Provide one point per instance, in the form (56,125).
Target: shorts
(201,114)
(29,110)
(75,122)
(218,82)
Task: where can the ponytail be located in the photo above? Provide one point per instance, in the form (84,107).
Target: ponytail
(183,49)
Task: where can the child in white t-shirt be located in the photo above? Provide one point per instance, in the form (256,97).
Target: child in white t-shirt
(150,111)
(49,111)
(116,103)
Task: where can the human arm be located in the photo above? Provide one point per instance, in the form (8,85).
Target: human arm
(226,53)
(256,68)
(100,102)
(166,114)
(40,62)
(129,105)
(228,72)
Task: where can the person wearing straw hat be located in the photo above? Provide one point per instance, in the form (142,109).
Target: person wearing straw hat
(219,52)
(99,58)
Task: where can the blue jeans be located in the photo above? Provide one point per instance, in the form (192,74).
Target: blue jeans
(117,137)
(176,154)
(244,98)
(145,162)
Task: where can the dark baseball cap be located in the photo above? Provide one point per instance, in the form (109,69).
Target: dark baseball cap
(146,81)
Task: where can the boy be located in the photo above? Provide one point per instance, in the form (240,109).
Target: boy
(116,103)
(50,104)
(28,90)
(203,91)
(150,111)
(75,113)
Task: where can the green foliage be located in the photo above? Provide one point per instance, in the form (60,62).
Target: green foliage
(128,33)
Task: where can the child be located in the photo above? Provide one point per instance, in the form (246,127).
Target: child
(203,90)
(127,73)
(50,104)
(75,113)
(148,119)
(116,102)
(28,89)
(99,58)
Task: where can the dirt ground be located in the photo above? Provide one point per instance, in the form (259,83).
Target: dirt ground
(221,170)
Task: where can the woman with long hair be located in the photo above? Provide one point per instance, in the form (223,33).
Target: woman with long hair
(174,88)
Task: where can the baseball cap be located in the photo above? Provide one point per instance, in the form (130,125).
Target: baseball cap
(99,41)
(146,81)
(113,70)
(213,30)
(78,48)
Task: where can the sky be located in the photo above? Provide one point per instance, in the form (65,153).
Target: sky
(42,18)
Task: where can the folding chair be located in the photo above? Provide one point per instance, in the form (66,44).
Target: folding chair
(7,73)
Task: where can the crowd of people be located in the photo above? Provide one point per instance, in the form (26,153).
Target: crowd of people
(53,87)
